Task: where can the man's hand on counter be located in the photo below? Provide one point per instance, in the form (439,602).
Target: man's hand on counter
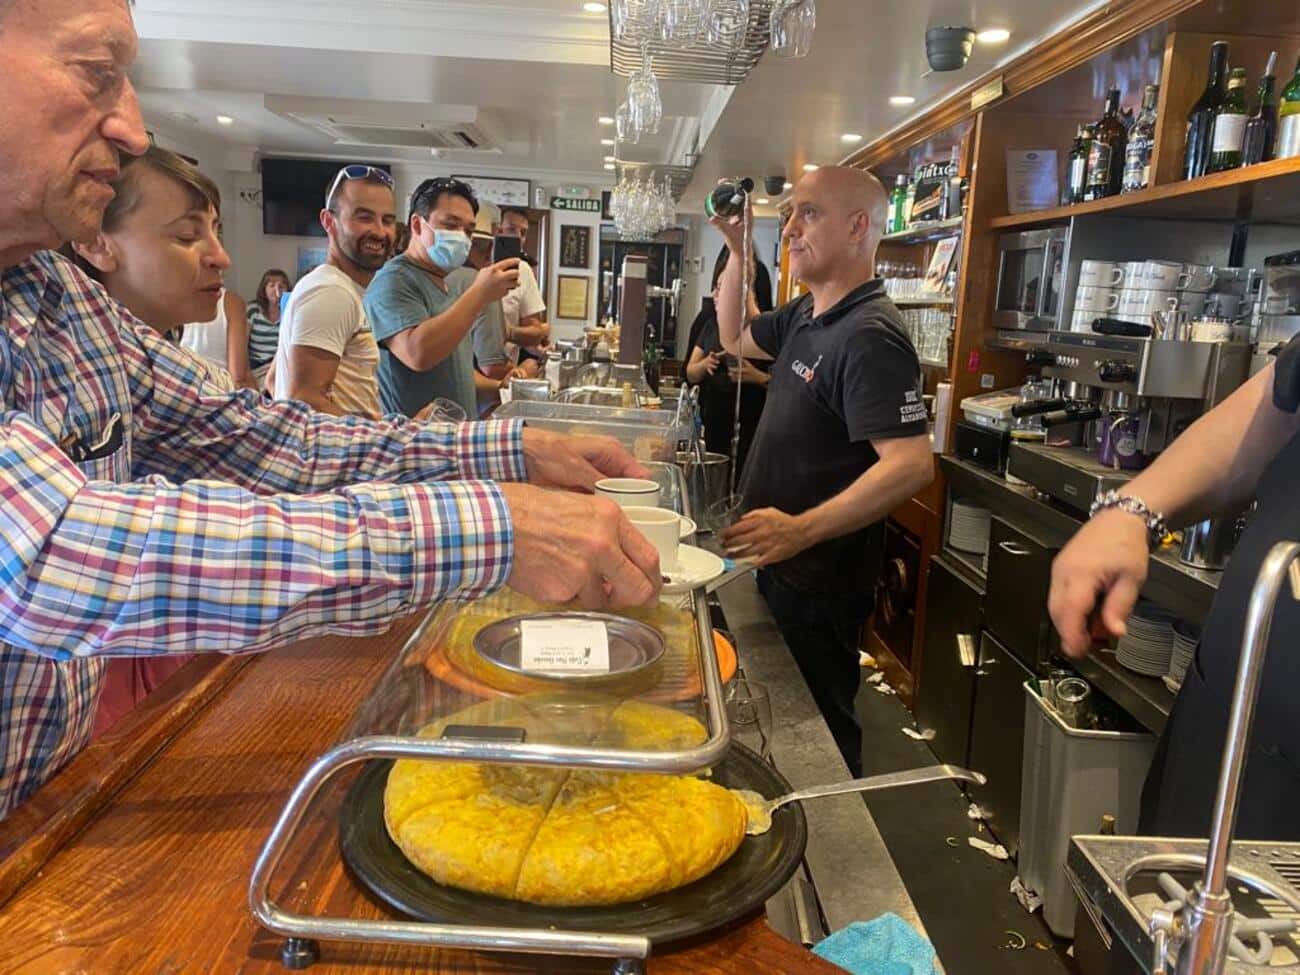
(572,546)
(1096,580)
(576,463)
(766,536)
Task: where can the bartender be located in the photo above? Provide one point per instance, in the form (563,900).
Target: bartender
(1246,447)
(843,439)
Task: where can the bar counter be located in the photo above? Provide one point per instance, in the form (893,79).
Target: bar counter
(137,857)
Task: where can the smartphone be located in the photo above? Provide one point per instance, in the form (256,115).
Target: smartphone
(504,248)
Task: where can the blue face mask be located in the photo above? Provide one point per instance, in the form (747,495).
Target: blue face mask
(450,249)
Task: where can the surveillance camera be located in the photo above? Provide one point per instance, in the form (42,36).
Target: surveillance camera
(774,185)
(948,48)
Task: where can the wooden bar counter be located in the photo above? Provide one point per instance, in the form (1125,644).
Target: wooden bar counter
(136,858)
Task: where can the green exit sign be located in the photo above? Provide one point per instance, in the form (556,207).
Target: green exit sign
(581,206)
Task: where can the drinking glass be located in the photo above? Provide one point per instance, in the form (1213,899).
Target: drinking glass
(749,712)
(728,23)
(792,24)
(722,514)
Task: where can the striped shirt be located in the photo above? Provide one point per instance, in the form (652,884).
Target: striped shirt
(211,522)
(263,337)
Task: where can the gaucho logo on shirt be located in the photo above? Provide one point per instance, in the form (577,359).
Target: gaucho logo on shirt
(806,373)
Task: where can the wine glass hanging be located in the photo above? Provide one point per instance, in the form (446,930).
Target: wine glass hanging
(721,24)
(642,207)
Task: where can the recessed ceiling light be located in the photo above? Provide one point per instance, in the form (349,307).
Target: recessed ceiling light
(851,138)
(609,159)
(809,167)
(609,166)
(787,185)
(762,201)
(902,100)
(593,7)
(994,35)
(225,120)
(606,142)
(605,120)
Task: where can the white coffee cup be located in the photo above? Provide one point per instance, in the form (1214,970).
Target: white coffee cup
(1091,299)
(1136,304)
(1221,304)
(1191,303)
(629,492)
(1081,321)
(1197,277)
(662,528)
(1100,274)
(1158,276)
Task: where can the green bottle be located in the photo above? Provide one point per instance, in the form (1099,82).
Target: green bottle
(896,200)
(1230,124)
(1288,129)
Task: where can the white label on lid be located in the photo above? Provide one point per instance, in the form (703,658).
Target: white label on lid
(581,646)
(1228,133)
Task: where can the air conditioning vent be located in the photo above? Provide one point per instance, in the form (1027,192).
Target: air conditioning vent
(406,125)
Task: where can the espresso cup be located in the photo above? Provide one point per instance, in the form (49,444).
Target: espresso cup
(629,492)
(1100,274)
(1196,277)
(1158,276)
(1091,299)
(1139,305)
(1191,303)
(1220,304)
(662,529)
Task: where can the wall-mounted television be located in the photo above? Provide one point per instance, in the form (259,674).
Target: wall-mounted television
(293,192)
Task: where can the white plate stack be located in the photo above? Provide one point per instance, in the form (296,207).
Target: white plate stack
(969,531)
(1186,636)
(1147,647)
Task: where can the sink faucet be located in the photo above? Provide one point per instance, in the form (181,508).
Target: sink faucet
(1205,928)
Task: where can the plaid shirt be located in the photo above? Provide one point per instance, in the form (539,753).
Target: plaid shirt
(219,523)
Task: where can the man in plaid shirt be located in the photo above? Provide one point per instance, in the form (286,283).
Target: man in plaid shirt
(144,511)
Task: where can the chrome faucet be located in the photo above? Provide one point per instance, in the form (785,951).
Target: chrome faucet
(1200,936)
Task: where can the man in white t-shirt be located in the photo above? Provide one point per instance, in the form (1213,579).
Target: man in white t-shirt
(327,356)
(524,307)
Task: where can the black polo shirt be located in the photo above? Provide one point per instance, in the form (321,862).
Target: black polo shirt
(839,381)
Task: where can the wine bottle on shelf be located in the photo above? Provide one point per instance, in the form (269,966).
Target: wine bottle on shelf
(1261,130)
(1106,153)
(1288,118)
(1141,143)
(1076,172)
(1200,120)
(1229,125)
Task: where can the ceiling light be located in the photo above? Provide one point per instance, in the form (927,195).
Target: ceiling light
(609,159)
(762,201)
(225,120)
(787,185)
(851,138)
(994,35)
(605,120)
(609,166)
(902,100)
(606,142)
(809,167)
(593,7)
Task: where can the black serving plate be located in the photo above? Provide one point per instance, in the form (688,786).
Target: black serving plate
(756,871)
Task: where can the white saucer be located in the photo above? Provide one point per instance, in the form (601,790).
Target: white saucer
(687,527)
(695,568)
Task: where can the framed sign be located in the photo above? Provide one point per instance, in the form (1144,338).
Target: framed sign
(575,205)
(572,301)
(606,198)
(575,247)
(503,192)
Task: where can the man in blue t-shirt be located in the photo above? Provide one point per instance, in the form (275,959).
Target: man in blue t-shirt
(843,439)
(421,317)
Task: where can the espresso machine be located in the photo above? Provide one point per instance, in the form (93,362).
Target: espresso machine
(1123,396)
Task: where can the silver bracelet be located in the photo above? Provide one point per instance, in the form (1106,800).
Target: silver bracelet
(1157,529)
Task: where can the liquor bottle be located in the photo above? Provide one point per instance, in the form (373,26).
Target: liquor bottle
(1288,118)
(952,194)
(909,198)
(1200,120)
(1141,143)
(1106,153)
(1229,125)
(1261,130)
(896,200)
(1076,168)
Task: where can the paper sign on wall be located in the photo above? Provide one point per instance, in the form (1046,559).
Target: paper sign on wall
(580,646)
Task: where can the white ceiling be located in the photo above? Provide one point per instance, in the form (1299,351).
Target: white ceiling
(539,70)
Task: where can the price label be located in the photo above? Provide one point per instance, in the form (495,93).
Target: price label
(578,646)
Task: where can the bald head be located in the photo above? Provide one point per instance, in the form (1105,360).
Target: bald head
(838,216)
(851,190)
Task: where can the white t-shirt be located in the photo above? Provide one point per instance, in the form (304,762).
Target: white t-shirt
(325,312)
(207,340)
(525,299)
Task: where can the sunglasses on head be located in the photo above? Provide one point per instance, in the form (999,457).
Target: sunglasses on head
(433,188)
(356,171)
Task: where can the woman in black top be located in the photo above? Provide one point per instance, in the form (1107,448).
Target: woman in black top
(707,367)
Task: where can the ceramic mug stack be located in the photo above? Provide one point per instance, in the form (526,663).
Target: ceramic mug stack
(1135,291)
(1097,295)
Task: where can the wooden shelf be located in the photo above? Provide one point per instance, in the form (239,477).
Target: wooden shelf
(926,232)
(1265,193)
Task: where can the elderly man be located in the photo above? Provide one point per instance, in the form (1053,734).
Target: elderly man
(143,511)
(843,439)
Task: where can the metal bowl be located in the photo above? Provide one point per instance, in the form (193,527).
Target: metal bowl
(633,647)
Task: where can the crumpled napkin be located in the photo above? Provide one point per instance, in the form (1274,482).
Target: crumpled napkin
(887,945)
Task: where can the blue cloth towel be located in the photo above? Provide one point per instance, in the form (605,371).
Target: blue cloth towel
(887,945)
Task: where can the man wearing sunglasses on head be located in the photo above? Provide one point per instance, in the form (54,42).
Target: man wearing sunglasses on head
(422,313)
(327,355)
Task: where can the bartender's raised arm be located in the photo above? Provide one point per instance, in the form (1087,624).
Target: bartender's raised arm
(733,334)
(1212,468)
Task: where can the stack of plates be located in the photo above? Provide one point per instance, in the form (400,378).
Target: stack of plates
(969,531)
(1148,645)
(1186,636)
